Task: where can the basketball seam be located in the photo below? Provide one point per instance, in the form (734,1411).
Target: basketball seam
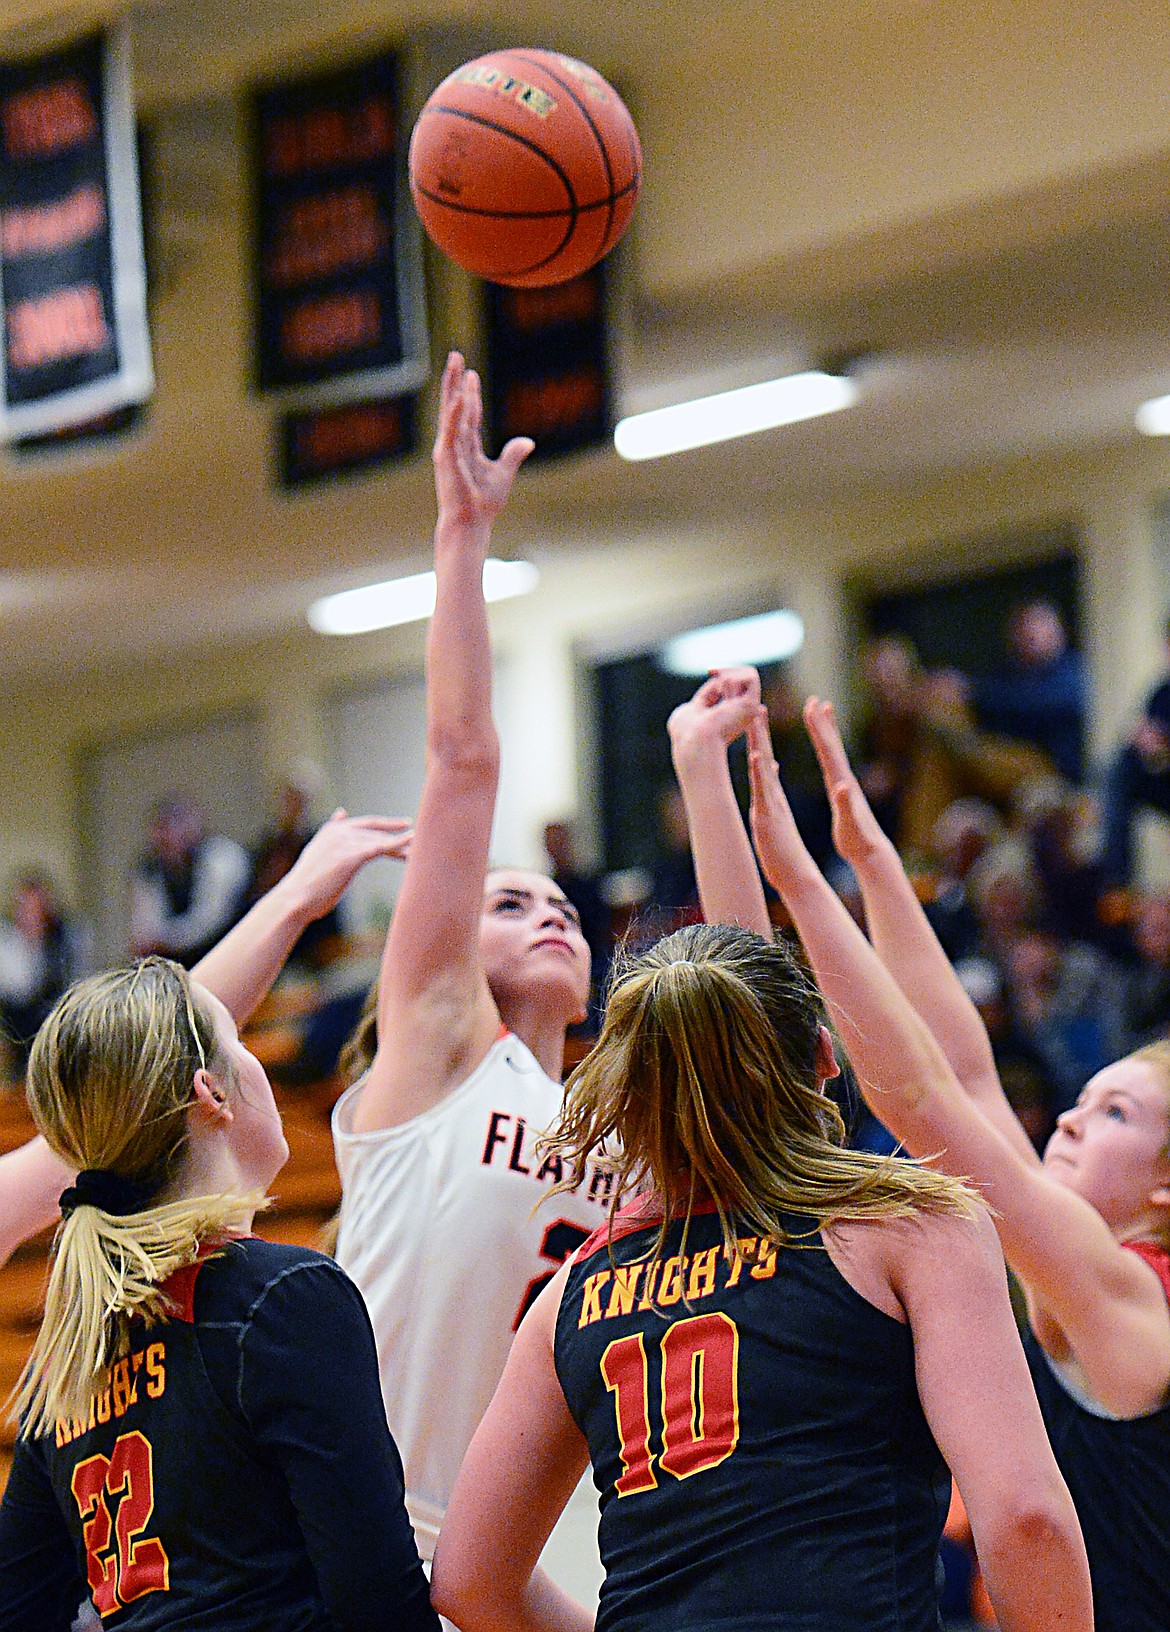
(520,215)
(502,130)
(589,120)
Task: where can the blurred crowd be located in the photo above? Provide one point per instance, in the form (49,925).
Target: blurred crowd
(1023,852)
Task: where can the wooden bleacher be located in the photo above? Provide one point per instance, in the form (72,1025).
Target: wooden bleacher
(306,1194)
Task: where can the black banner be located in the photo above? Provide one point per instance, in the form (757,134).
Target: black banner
(338,259)
(72,274)
(319,443)
(548,365)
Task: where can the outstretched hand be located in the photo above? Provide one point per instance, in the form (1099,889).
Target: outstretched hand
(471,488)
(781,850)
(857,835)
(339,850)
(720,711)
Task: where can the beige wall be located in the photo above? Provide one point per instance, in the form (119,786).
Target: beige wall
(617,595)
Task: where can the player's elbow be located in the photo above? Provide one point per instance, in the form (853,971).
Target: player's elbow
(454,1590)
(1031,1548)
(470,750)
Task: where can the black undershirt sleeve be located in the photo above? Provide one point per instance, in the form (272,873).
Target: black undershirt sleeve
(40,1589)
(308,1387)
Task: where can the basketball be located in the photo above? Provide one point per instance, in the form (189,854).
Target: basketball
(525,167)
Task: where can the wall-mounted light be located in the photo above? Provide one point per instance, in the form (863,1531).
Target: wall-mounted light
(730,414)
(406,600)
(768,638)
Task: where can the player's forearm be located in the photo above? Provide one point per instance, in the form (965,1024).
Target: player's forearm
(459,657)
(1035,1569)
(498,1605)
(904,940)
(730,891)
(901,1070)
(241,969)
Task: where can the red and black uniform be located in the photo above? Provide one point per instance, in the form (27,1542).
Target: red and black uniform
(756,1437)
(1118,1473)
(236,1475)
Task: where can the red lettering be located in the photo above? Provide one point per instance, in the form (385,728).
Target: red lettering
(572,302)
(299,144)
(537,407)
(331,233)
(328,440)
(42,228)
(48,119)
(68,323)
(320,329)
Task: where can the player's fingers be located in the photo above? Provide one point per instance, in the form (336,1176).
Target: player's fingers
(515,452)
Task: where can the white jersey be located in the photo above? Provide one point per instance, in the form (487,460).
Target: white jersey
(437,1229)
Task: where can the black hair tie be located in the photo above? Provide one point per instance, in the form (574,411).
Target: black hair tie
(111,1192)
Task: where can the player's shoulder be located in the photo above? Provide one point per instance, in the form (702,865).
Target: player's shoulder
(244,1271)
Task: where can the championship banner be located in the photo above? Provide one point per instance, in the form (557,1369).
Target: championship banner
(72,270)
(547,373)
(338,255)
(317,444)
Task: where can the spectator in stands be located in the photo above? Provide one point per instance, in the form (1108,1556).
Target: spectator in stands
(41,953)
(1066,999)
(1147,989)
(890,677)
(962,834)
(674,894)
(1138,777)
(1041,694)
(279,847)
(799,772)
(189,886)
(583,887)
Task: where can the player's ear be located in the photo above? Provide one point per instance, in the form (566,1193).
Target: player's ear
(827,1066)
(209,1099)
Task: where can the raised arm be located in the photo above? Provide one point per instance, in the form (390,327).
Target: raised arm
(240,970)
(31,1180)
(1102,1300)
(701,732)
(436,1016)
(901,932)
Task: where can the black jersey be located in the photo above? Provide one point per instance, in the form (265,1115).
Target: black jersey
(236,1475)
(1118,1474)
(756,1437)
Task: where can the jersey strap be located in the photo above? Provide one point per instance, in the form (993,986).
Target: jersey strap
(1157,1257)
(642,1213)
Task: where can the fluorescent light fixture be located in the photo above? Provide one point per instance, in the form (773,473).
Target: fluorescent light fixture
(1153,417)
(732,413)
(406,600)
(768,638)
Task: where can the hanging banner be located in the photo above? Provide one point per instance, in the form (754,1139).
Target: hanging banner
(547,373)
(72,270)
(338,254)
(317,444)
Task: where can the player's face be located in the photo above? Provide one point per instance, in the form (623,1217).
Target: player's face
(531,943)
(255,1132)
(1111,1148)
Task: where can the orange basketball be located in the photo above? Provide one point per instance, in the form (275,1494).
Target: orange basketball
(525,167)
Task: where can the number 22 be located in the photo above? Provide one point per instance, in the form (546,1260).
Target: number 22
(137,1564)
(700,1400)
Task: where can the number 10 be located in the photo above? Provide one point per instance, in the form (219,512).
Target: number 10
(700,1400)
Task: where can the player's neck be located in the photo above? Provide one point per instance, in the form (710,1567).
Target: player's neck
(541,1033)
(209,1169)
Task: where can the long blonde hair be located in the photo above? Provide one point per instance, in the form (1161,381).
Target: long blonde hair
(704,1084)
(110,1081)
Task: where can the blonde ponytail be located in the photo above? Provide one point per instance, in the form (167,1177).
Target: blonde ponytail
(110,1081)
(106,1272)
